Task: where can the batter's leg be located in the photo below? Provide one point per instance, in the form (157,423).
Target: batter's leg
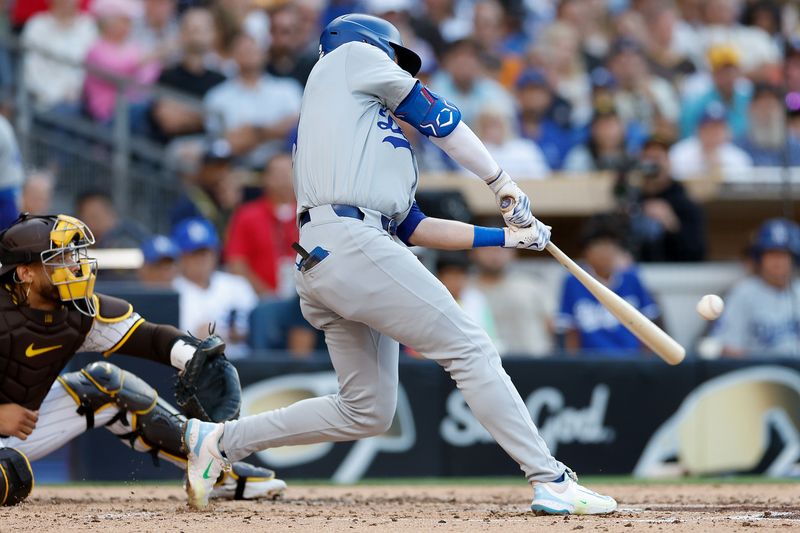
(366,367)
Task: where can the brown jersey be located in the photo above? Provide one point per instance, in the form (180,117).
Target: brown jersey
(36,345)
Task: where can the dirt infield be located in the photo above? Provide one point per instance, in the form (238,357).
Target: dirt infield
(669,508)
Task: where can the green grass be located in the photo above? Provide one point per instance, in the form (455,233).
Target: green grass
(494,481)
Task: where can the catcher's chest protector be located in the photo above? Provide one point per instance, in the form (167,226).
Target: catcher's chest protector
(35,346)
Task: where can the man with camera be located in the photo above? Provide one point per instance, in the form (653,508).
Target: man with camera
(671,227)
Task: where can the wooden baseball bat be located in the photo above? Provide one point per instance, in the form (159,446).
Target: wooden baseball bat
(651,335)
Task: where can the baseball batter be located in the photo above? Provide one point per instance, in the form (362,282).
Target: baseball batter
(355,177)
(49,312)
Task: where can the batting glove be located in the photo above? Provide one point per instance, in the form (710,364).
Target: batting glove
(534,237)
(513,203)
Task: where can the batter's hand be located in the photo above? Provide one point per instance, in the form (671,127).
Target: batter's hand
(513,203)
(16,421)
(534,237)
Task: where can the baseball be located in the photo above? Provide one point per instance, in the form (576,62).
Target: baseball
(710,306)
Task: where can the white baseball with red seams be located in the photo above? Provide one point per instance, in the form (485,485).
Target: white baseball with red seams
(710,306)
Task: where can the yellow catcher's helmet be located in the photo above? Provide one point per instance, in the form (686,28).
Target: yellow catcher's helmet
(62,243)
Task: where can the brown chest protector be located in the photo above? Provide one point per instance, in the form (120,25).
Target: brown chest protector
(35,346)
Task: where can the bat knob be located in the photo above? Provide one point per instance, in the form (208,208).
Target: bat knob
(506,202)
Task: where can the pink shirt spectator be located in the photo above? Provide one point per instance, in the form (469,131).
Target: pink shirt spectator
(123,60)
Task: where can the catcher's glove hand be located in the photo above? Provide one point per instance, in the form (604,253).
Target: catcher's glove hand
(208,389)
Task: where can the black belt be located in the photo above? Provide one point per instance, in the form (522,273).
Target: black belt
(350,211)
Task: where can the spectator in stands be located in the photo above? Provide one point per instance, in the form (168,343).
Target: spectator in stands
(96,209)
(463,79)
(672,226)
(398,12)
(160,266)
(762,312)
(729,89)
(586,324)
(765,141)
(116,55)
(37,193)
(206,294)
(157,30)
(172,118)
(558,53)
(277,324)
(544,117)
(12,174)
(640,96)
(233,18)
(261,233)
(443,21)
(288,54)
(710,150)
(759,53)
(519,157)
(792,65)
(669,47)
(605,149)
(254,113)
(212,192)
(521,305)
(58,41)
(452,269)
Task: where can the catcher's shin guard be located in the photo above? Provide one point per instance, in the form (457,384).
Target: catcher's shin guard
(145,421)
(16,476)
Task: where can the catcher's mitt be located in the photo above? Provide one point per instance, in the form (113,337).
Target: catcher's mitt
(208,389)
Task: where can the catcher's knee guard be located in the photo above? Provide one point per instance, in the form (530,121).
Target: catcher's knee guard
(16,476)
(146,421)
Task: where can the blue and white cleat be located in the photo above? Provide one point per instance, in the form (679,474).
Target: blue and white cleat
(205,462)
(566,496)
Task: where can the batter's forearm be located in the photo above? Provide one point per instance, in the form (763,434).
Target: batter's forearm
(467,149)
(444,234)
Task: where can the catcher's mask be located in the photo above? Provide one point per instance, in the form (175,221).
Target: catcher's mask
(62,244)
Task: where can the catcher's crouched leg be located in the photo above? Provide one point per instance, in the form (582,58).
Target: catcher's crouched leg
(16,476)
(151,425)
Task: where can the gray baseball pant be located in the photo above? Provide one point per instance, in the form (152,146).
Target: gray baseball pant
(367,295)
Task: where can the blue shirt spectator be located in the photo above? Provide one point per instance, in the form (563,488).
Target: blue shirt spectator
(729,89)
(587,325)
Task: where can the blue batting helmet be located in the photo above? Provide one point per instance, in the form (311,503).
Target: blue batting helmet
(356,27)
(778,234)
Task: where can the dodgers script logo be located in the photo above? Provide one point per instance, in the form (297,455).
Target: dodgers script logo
(391,125)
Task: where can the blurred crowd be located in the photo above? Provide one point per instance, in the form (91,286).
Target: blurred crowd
(655,91)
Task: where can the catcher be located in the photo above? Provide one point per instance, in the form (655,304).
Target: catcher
(49,312)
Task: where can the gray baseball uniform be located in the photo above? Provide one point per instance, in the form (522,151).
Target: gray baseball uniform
(761,320)
(371,291)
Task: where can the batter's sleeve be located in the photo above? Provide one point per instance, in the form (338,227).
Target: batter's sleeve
(369,71)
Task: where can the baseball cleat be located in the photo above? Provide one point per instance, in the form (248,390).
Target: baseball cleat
(205,462)
(566,496)
(248,482)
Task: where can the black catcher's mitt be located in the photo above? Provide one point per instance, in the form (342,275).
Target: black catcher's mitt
(208,389)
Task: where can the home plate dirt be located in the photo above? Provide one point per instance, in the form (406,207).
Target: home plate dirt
(669,508)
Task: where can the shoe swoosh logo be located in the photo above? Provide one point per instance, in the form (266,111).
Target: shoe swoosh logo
(205,474)
(30,351)
(584,502)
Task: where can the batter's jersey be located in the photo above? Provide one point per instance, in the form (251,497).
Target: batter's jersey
(350,149)
(761,320)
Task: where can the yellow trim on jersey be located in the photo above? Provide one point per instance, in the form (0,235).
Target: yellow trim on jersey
(124,339)
(69,390)
(114,320)
(5,477)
